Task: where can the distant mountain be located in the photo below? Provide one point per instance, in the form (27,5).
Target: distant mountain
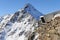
(20,25)
(49,16)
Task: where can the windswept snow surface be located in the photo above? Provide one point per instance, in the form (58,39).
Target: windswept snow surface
(22,30)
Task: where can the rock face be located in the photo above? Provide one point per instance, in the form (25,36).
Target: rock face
(50,30)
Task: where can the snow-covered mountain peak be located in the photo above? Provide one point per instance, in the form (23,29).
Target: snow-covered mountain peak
(34,12)
(28,8)
(21,25)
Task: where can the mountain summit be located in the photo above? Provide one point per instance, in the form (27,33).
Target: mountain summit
(34,12)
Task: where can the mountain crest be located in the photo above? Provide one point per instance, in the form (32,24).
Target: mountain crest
(34,12)
(28,5)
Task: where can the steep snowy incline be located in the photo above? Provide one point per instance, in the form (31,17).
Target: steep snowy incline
(3,26)
(23,29)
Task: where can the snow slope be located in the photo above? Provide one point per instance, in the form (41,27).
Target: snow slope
(22,29)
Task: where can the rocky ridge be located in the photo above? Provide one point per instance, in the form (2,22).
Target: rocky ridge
(50,30)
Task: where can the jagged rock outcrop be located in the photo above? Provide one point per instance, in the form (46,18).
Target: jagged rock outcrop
(49,30)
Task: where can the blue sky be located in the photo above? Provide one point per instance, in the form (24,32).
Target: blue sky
(44,6)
